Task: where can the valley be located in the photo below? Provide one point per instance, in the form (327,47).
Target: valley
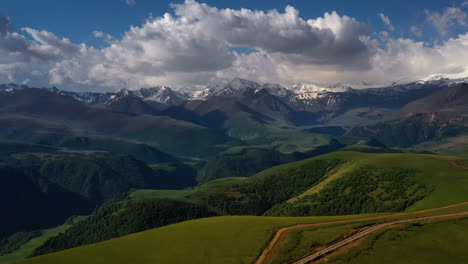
(233,132)
(157,170)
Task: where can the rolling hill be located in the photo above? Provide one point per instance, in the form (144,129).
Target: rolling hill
(165,133)
(451,98)
(49,184)
(123,218)
(228,239)
(436,118)
(394,181)
(414,129)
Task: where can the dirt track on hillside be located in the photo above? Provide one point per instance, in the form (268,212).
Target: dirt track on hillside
(339,244)
(279,232)
(454,163)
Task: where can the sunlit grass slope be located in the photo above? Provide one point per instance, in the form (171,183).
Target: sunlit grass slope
(233,239)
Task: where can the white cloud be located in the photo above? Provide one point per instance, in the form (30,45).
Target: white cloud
(386,20)
(450,17)
(416,31)
(332,39)
(100,34)
(130,2)
(193,47)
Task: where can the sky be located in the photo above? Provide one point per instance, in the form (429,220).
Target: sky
(108,45)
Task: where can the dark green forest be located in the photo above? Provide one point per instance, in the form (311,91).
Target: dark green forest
(123,218)
(365,190)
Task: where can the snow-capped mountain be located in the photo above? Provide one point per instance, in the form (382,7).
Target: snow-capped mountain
(161,94)
(231,88)
(302,95)
(306,91)
(236,87)
(86,97)
(201,94)
(11,87)
(449,79)
(276,89)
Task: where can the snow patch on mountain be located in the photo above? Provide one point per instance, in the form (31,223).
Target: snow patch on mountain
(450,78)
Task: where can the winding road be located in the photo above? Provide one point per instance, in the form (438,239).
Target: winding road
(455,163)
(344,242)
(263,258)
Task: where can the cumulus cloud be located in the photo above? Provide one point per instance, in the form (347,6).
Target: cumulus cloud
(193,46)
(387,22)
(450,17)
(44,46)
(332,39)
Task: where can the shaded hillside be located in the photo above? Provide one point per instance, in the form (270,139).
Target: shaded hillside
(451,98)
(413,129)
(247,161)
(340,183)
(31,130)
(257,194)
(214,112)
(49,185)
(364,190)
(132,105)
(166,133)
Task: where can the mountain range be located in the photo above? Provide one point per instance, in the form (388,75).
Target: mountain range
(90,149)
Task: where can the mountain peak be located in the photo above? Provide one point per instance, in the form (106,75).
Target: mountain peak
(240,83)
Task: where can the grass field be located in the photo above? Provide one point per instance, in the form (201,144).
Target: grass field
(427,243)
(300,242)
(229,239)
(239,239)
(454,146)
(28,248)
(151,193)
(463,163)
(233,239)
(296,243)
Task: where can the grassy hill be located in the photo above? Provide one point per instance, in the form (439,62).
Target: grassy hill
(414,129)
(450,98)
(167,134)
(123,218)
(36,131)
(424,243)
(228,239)
(249,160)
(49,184)
(360,179)
(432,176)
(365,182)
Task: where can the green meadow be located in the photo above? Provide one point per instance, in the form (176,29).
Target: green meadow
(230,239)
(439,242)
(239,239)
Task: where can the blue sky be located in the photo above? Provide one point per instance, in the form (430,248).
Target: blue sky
(78,19)
(91,44)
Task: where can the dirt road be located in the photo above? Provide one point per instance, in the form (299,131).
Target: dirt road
(279,232)
(455,163)
(365,232)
